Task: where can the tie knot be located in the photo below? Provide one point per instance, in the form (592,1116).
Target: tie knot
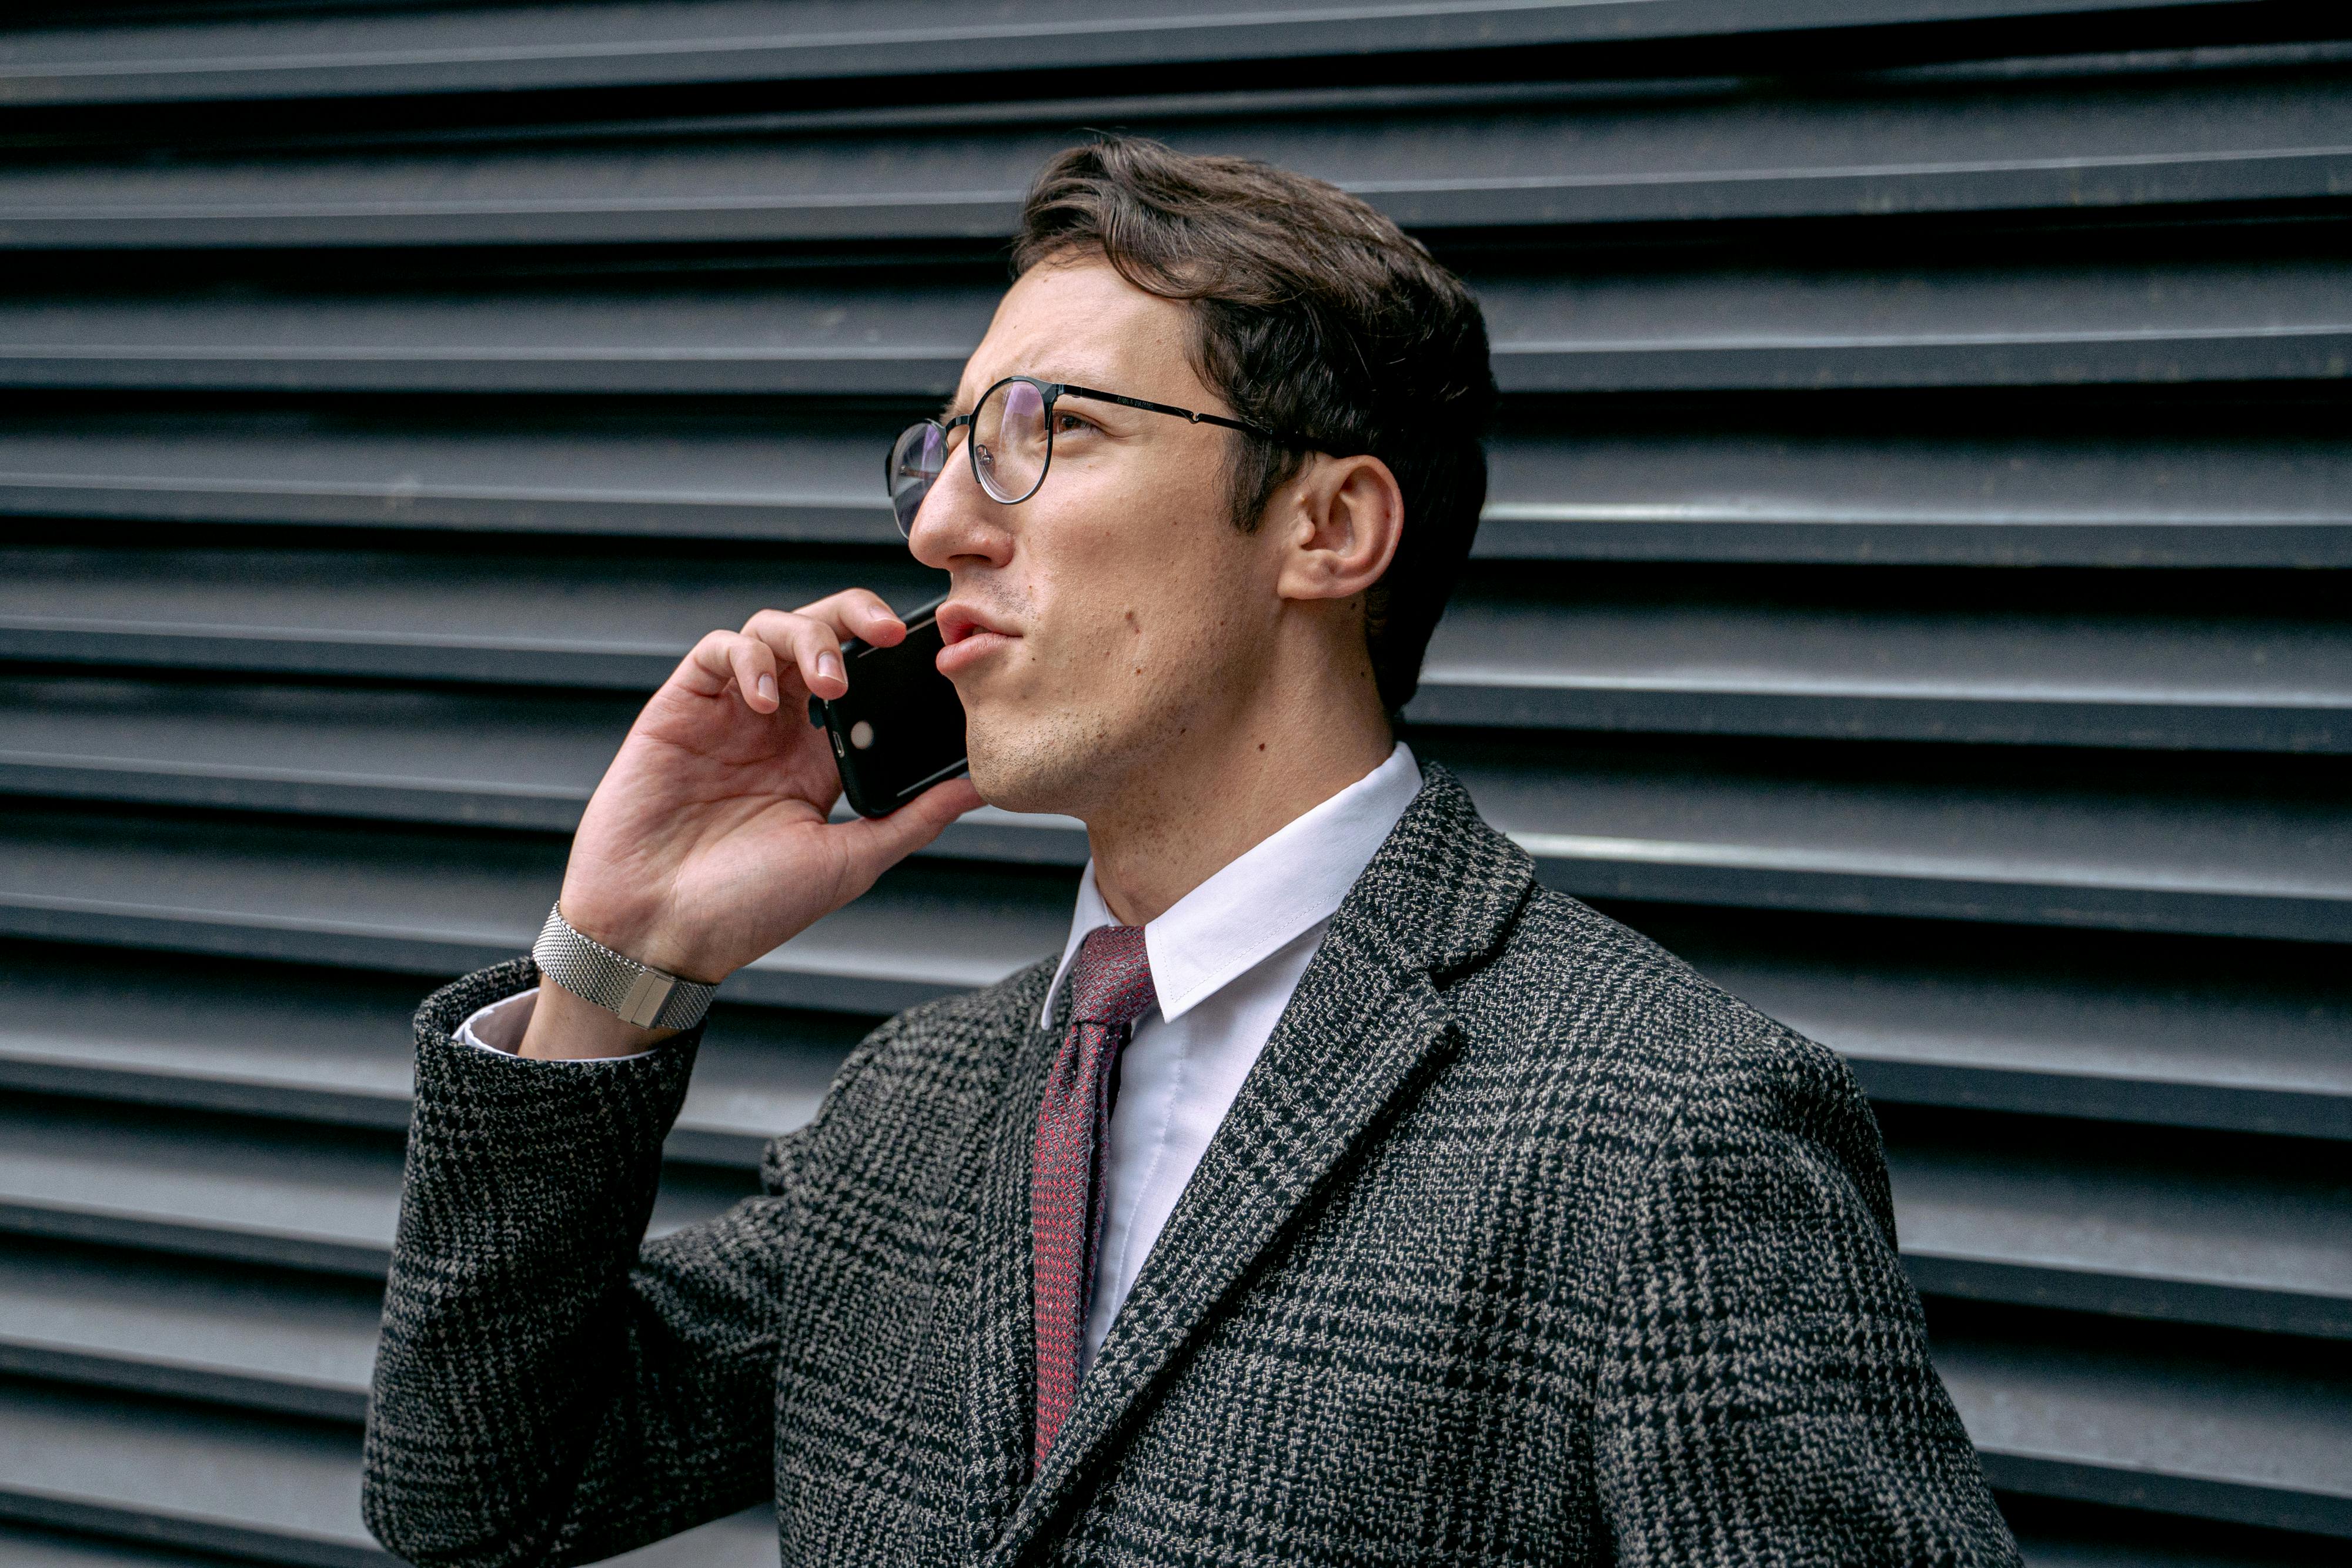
(1110,980)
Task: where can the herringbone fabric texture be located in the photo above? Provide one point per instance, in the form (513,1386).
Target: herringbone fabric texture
(1110,987)
(1521,1244)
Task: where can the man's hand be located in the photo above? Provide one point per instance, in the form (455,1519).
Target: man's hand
(708,843)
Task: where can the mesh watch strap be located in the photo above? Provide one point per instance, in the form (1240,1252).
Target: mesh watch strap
(639,993)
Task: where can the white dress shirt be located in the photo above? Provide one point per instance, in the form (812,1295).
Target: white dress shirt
(1225,958)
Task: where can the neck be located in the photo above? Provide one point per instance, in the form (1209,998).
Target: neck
(1230,784)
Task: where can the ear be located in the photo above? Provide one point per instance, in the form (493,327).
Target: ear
(1340,521)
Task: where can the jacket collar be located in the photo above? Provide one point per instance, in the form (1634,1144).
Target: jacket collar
(1368,1022)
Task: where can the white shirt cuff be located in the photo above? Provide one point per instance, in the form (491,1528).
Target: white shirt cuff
(500,1026)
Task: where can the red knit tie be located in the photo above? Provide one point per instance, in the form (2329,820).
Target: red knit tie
(1110,987)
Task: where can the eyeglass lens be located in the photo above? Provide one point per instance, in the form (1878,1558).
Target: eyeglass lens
(916,460)
(1009,444)
(1009,447)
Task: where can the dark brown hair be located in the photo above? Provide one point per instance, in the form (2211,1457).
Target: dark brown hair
(1317,318)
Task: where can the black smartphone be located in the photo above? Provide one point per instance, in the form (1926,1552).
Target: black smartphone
(900,727)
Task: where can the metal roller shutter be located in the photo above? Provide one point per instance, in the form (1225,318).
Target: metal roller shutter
(1913,588)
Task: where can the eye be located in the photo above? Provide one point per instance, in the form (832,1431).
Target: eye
(1066,422)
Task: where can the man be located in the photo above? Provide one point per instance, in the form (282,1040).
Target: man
(1338,1195)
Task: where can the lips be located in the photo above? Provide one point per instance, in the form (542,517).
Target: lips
(969,635)
(959,620)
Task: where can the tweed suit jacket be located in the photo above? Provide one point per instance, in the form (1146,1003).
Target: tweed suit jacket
(1522,1243)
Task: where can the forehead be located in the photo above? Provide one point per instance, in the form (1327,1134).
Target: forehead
(1081,321)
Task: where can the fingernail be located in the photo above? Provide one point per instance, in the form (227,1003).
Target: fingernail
(767,688)
(828,667)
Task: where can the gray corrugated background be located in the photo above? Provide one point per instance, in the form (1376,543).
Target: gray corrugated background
(1914,589)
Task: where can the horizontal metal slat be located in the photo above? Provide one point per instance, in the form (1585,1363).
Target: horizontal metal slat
(2101,1421)
(2046,1024)
(2053,1043)
(2014,1021)
(281,1490)
(336,1049)
(245,1192)
(799,478)
(2180,1430)
(24,1546)
(321,1200)
(2050,1023)
(886,338)
(2206,1229)
(2198,1434)
(2011,497)
(313,1201)
(1852,659)
(273,1489)
(533,760)
(1894,326)
(2043,1023)
(506,50)
(2215,320)
(1854,663)
(590,619)
(2179,494)
(297,1343)
(1482,158)
(2053,1533)
(407,756)
(2203,1433)
(440,905)
(2090,843)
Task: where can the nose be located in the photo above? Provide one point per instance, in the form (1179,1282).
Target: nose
(959,524)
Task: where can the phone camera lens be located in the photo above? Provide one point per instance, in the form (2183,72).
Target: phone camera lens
(861,735)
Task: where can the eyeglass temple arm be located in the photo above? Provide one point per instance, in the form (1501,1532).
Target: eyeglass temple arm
(1064,389)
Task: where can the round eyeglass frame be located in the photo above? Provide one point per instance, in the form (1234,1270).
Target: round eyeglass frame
(926,431)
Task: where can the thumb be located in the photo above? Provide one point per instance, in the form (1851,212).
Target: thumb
(874,844)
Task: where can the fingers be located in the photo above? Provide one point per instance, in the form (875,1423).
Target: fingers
(858,612)
(810,649)
(874,844)
(809,640)
(776,646)
(724,659)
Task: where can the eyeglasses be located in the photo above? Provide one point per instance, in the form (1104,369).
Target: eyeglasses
(1012,442)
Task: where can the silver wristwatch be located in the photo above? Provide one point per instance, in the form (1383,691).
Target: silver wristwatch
(639,993)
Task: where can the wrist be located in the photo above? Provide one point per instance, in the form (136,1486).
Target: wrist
(562,1028)
(639,994)
(639,935)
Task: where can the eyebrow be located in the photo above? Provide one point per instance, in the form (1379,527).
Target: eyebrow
(954,407)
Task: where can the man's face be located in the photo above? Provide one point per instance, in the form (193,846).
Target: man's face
(1104,620)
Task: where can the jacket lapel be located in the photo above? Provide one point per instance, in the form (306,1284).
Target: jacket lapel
(1002,1345)
(1368,1022)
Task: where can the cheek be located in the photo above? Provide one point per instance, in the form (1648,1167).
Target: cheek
(1141,578)
(1176,638)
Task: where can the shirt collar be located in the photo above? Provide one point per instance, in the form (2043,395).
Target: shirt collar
(1272,893)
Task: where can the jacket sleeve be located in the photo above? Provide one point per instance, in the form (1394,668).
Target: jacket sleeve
(1766,1393)
(546,1392)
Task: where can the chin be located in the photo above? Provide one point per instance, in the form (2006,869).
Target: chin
(1046,766)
